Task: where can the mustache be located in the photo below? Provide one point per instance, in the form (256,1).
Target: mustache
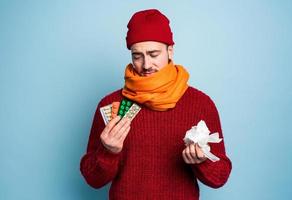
(150,70)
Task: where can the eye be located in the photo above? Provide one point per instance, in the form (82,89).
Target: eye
(136,57)
(154,55)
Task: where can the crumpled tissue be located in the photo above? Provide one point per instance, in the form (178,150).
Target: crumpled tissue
(200,134)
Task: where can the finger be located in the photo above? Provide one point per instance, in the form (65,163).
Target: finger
(122,130)
(124,134)
(200,153)
(115,129)
(188,154)
(111,124)
(193,151)
(185,157)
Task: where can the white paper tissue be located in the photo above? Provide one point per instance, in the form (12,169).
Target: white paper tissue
(200,134)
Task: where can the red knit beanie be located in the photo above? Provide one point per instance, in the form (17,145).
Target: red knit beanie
(148,25)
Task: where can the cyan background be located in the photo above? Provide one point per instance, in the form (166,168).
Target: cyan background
(59,58)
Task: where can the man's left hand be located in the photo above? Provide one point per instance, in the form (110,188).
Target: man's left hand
(193,154)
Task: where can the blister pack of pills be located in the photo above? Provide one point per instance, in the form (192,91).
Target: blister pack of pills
(125,108)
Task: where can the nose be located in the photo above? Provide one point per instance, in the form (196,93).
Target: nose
(146,63)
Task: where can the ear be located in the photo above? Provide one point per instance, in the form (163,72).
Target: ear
(170,52)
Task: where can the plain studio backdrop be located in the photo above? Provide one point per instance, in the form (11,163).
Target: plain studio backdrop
(59,58)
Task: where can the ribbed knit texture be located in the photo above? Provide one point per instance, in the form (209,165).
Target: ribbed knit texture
(151,166)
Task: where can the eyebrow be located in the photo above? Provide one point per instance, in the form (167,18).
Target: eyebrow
(147,52)
(153,51)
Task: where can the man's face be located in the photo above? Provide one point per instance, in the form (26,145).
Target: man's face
(149,57)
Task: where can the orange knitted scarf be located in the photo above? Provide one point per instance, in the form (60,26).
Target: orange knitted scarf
(160,91)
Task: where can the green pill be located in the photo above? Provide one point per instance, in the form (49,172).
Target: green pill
(124,107)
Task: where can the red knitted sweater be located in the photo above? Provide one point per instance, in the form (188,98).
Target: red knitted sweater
(151,166)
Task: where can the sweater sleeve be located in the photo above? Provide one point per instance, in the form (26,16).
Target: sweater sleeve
(98,166)
(213,174)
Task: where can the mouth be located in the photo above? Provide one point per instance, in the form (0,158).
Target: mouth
(147,73)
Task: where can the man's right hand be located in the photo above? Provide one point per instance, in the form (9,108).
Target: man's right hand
(114,134)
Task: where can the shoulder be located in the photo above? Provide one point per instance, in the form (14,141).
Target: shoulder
(199,96)
(203,102)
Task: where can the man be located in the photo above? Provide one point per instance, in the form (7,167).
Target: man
(146,158)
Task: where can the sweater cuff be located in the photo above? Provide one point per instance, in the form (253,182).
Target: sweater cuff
(213,174)
(106,156)
(204,166)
